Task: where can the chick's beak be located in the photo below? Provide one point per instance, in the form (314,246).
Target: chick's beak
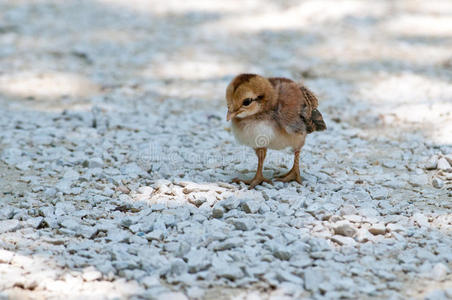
(230,115)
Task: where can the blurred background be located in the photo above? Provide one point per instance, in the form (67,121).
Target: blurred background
(375,64)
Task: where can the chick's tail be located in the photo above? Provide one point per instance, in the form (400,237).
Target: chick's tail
(317,120)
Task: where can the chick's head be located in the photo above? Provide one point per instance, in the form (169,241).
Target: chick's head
(247,95)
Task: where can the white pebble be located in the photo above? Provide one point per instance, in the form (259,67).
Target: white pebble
(378,228)
(437,183)
(443,164)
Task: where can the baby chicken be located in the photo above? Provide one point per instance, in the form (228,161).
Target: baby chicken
(273,113)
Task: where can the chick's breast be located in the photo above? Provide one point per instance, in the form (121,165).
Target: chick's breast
(264,134)
(254,133)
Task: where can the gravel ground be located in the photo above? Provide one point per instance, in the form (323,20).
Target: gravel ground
(116,159)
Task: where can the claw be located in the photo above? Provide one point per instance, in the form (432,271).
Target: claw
(257,181)
(252,182)
(282,176)
(238,180)
(291,176)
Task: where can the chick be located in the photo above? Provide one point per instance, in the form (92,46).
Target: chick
(273,113)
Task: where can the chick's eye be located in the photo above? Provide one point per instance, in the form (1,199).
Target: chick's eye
(247,101)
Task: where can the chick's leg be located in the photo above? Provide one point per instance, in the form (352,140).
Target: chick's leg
(259,177)
(294,173)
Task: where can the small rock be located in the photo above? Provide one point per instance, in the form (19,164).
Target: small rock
(9,225)
(150,281)
(157,235)
(197,259)
(300,260)
(126,222)
(35,222)
(230,203)
(71,175)
(313,278)
(443,164)
(229,244)
(226,269)
(418,180)
(197,201)
(46,211)
(123,189)
(448,291)
(437,183)
(343,240)
(71,223)
(344,228)
(178,267)
(448,157)
(91,274)
(185,279)
(389,163)
(380,194)
(51,222)
(132,170)
(285,276)
(282,254)
(436,295)
(243,224)
(253,296)
(145,190)
(24,166)
(231,272)
(251,206)
(6,256)
(439,272)
(348,210)
(195,292)
(50,193)
(158,207)
(354,218)
(64,186)
(378,228)
(7,213)
(421,220)
(432,163)
(172,296)
(217,212)
(96,162)
(394,227)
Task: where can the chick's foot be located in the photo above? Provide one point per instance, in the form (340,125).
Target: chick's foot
(252,182)
(292,175)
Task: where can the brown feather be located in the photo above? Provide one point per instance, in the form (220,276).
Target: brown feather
(297,106)
(241,79)
(289,107)
(313,118)
(317,119)
(292,106)
(310,97)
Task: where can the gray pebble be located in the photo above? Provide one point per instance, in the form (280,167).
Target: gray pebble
(9,225)
(418,180)
(244,224)
(251,206)
(437,183)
